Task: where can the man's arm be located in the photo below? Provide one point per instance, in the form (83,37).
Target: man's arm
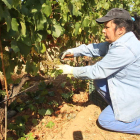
(91,50)
(115,60)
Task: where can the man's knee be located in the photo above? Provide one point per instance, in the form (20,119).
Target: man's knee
(103,122)
(106,118)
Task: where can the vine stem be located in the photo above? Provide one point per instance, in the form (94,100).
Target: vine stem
(23,59)
(3,68)
(6,118)
(7,96)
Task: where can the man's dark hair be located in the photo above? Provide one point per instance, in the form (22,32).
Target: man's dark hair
(129,25)
(136,29)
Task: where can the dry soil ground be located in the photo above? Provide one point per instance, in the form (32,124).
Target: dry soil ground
(73,121)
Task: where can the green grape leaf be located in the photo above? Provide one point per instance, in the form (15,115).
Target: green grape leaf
(39,99)
(42,111)
(14,24)
(1,12)
(95,29)
(43,48)
(120,6)
(40,26)
(30,136)
(51,93)
(23,28)
(55,73)
(38,39)
(12,3)
(76,11)
(106,5)
(50,124)
(27,40)
(65,95)
(24,49)
(61,1)
(33,108)
(28,67)
(14,46)
(15,3)
(7,17)
(10,138)
(22,138)
(57,30)
(20,108)
(44,92)
(42,86)
(20,120)
(12,126)
(40,21)
(47,9)
(26,117)
(45,112)
(34,10)
(34,121)
(77,26)
(24,10)
(49,112)
(42,1)
(8,3)
(9,70)
(63,84)
(85,22)
(32,67)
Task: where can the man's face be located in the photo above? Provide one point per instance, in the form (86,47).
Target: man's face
(110,33)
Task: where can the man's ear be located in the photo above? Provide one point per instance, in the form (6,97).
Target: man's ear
(121,31)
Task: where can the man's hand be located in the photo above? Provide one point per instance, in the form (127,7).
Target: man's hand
(67,53)
(66,69)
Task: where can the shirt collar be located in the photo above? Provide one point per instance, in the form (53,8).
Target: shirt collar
(123,38)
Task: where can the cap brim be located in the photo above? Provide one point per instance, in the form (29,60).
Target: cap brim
(103,19)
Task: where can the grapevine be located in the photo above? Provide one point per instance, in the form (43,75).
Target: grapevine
(37,31)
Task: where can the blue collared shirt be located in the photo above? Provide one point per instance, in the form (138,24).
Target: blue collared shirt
(121,66)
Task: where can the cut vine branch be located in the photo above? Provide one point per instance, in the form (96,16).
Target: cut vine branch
(3,68)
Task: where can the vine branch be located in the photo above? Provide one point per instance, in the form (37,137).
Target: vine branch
(7,96)
(3,68)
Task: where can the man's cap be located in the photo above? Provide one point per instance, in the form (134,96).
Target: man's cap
(114,13)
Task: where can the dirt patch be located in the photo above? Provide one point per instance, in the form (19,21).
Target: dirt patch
(72,120)
(82,125)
